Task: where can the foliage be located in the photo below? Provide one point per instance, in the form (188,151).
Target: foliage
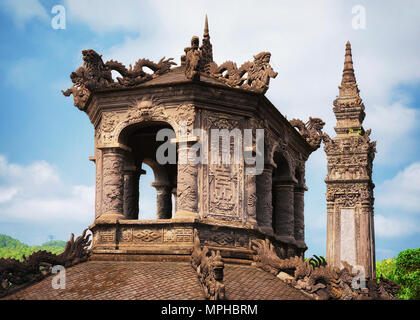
(404,270)
(13,248)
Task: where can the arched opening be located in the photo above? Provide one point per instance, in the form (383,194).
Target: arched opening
(283,197)
(149,184)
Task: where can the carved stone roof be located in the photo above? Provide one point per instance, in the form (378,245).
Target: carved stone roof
(124,280)
(196,65)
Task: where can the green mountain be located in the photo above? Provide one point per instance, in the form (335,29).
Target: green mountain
(13,248)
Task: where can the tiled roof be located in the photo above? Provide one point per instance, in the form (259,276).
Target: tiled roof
(126,280)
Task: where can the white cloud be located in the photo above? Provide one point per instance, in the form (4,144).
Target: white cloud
(7,194)
(107,16)
(386,227)
(36,193)
(307,45)
(399,197)
(402,193)
(24,10)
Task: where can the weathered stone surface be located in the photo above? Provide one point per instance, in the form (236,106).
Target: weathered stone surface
(350,230)
(128,114)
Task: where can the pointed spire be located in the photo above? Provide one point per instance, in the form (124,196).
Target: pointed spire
(348,71)
(206,29)
(206,47)
(348,107)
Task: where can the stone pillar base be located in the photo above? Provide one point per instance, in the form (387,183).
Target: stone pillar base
(185,214)
(110,216)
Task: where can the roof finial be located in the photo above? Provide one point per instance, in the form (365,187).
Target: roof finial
(206,29)
(206,47)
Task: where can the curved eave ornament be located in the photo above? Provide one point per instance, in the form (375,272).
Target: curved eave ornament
(96,75)
(311,131)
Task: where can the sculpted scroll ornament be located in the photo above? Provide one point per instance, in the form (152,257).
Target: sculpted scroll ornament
(209,267)
(254,76)
(322,282)
(96,75)
(311,131)
(16,274)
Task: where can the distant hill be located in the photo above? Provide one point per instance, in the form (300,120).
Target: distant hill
(13,248)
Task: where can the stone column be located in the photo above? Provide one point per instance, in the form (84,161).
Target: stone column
(299,217)
(251,203)
(366,256)
(251,193)
(332,226)
(187,184)
(265,199)
(163,200)
(284,211)
(131,193)
(113,183)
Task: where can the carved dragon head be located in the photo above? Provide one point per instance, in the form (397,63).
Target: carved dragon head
(91,59)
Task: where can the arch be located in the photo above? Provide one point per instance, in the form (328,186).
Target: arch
(280,150)
(140,140)
(141,114)
(126,131)
(283,185)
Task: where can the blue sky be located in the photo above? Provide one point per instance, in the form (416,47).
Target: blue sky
(46,180)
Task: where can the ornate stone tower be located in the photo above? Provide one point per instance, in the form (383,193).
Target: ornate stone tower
(350,231)
(221,203)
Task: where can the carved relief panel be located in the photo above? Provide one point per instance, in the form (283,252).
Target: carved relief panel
(222,184)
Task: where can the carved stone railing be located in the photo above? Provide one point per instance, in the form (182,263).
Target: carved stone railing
(320,281)
(209,270)
(15,274)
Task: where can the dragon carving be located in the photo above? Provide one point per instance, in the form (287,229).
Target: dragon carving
(209,270)
(311,131)
(319,280)
(254,76)
(15,274)
(97,75)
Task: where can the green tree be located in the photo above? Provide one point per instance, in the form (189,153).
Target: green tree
(407,273)
(404,270)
